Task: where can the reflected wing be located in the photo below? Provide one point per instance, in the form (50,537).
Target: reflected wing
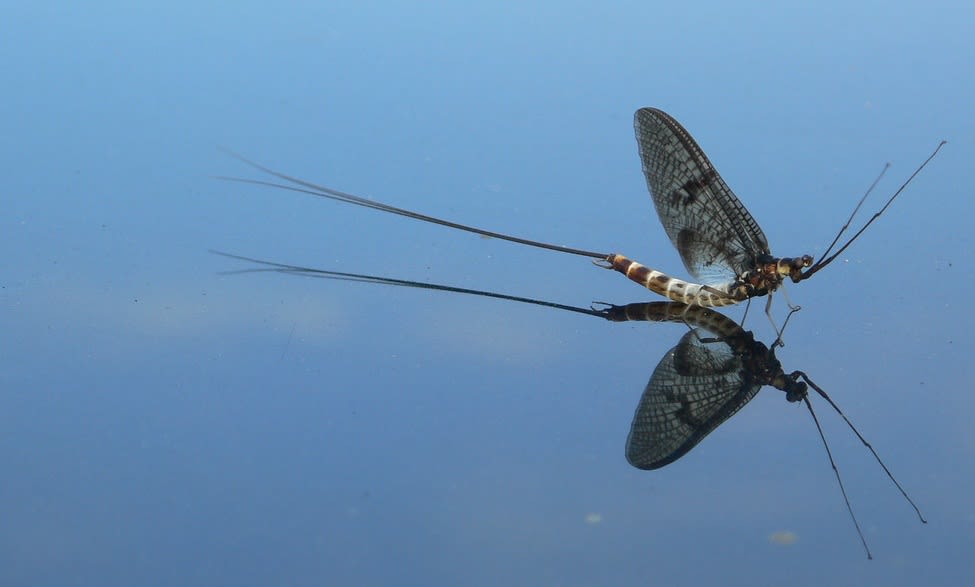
(715,235)
(697,386)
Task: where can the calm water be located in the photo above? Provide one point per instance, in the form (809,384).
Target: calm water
(167,424)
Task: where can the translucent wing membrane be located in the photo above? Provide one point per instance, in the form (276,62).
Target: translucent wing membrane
(716,237)
(698,385)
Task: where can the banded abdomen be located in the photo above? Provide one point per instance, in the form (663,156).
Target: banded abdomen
(678,290)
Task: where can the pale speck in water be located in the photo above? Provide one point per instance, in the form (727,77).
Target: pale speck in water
(784,538)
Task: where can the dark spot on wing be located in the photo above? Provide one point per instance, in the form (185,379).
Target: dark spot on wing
(687,194)
(685,414)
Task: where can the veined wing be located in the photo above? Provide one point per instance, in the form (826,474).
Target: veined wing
(698,385)
(715,235)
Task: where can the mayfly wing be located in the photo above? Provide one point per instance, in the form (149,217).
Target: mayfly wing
(699,384)
(716,237)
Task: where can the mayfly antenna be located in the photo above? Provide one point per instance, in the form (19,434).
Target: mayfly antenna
(839,480)
(855,210)
(827,260)
(863,440)
(795,376)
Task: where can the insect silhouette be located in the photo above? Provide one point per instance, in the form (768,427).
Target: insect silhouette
(715,369)
(719,242)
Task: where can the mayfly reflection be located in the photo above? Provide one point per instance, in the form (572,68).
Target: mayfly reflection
(715,369)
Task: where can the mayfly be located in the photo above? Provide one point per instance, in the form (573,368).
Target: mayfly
(719,242)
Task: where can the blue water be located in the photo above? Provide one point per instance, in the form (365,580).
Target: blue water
(164,423)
